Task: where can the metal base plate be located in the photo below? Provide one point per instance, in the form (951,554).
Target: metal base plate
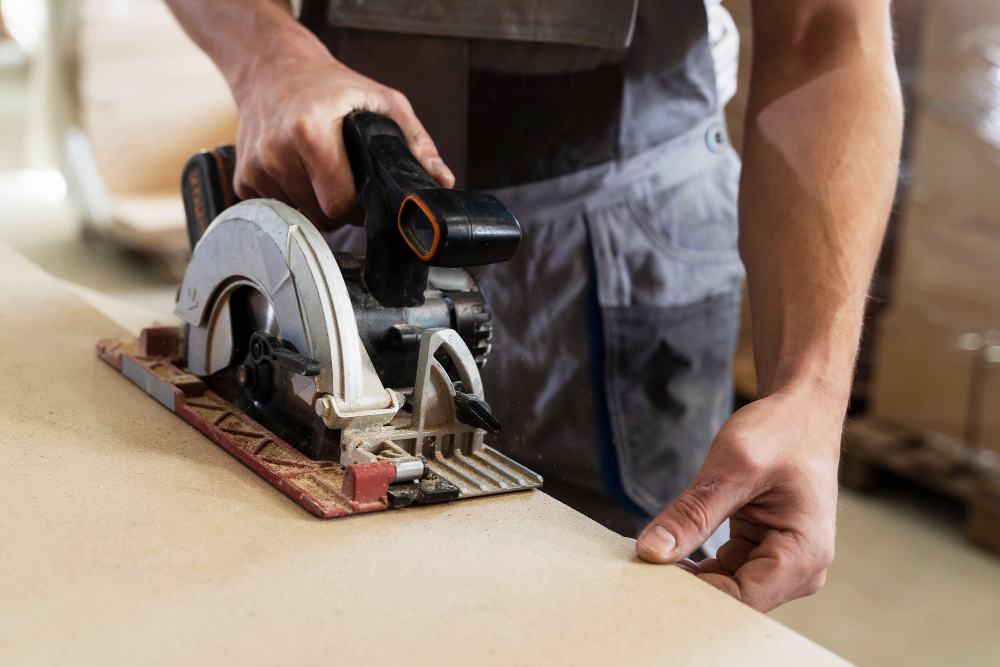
(323,488)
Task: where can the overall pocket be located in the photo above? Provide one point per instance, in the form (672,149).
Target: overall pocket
(669,388)
(669,277)
(669,246)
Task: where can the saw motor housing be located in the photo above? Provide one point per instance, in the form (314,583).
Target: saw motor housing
(371,360)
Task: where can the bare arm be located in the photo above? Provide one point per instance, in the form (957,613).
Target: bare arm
(236,34)
(823,133)
(293,96)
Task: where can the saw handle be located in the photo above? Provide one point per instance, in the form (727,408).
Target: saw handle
(441,226)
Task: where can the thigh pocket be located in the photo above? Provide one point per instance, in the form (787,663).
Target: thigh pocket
(669,246)
(669,388)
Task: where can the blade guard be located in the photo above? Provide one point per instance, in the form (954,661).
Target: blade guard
(276,250)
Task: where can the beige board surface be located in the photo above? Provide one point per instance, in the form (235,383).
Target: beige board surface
(129,538)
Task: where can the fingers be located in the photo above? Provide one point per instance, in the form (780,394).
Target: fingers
(733,554)
(709,566)
(780,496)
(243,176)
(742,526)
(723,582)
(302,190)
(278,173)
(252,181)
(684,526)
(768,580)
(323,156)
(244,191)
(325,160)
(296,153)
(766,567)
(763,576)
(688,565)
(298,182)
(419,141)
(783,567)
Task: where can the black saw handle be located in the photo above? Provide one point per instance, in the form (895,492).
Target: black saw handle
(443,227)
(403,204)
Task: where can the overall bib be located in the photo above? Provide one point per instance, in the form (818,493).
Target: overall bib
(597,123)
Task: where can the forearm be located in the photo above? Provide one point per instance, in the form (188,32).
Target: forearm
(293,97)
(241,35)
(822,141)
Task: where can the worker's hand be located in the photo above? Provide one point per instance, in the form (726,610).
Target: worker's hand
(290,145)
(772,470)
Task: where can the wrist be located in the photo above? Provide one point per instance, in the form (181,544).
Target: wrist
(813,356)
(820,378)
(276,41)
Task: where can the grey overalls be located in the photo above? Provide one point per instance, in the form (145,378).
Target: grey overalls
(596,122)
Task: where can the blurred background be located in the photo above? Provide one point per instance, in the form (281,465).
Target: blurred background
(102,102)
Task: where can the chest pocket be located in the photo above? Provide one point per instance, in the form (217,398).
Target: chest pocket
(598,23)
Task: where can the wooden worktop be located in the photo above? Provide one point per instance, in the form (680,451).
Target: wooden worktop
(129,538)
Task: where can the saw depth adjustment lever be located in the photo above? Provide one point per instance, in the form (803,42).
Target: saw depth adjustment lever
(265,347)
(475,412)
(256,373)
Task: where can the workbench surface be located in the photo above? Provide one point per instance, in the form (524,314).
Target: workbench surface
(130,538)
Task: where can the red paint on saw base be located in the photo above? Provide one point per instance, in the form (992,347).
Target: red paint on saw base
(369,482)
(324,488)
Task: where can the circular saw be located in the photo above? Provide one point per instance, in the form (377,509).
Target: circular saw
(352,384)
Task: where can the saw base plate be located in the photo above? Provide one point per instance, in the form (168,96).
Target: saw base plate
(323,488)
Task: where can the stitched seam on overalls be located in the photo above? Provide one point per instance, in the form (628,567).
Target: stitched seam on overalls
(620,428)
(486,30)
(644,217)
(599,359)
(629,177)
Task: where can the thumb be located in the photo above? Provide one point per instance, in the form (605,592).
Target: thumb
(690,519)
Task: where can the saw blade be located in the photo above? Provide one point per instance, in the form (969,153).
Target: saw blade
(287,410)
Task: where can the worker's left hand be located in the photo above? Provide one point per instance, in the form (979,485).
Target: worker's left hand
(772,469)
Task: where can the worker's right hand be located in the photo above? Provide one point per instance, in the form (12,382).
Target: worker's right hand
(290,145)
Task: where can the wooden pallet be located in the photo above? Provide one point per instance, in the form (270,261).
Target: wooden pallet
(873,446)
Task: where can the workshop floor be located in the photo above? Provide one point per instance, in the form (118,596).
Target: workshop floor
(905,588)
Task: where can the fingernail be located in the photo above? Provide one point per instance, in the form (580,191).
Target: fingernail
(659,540)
